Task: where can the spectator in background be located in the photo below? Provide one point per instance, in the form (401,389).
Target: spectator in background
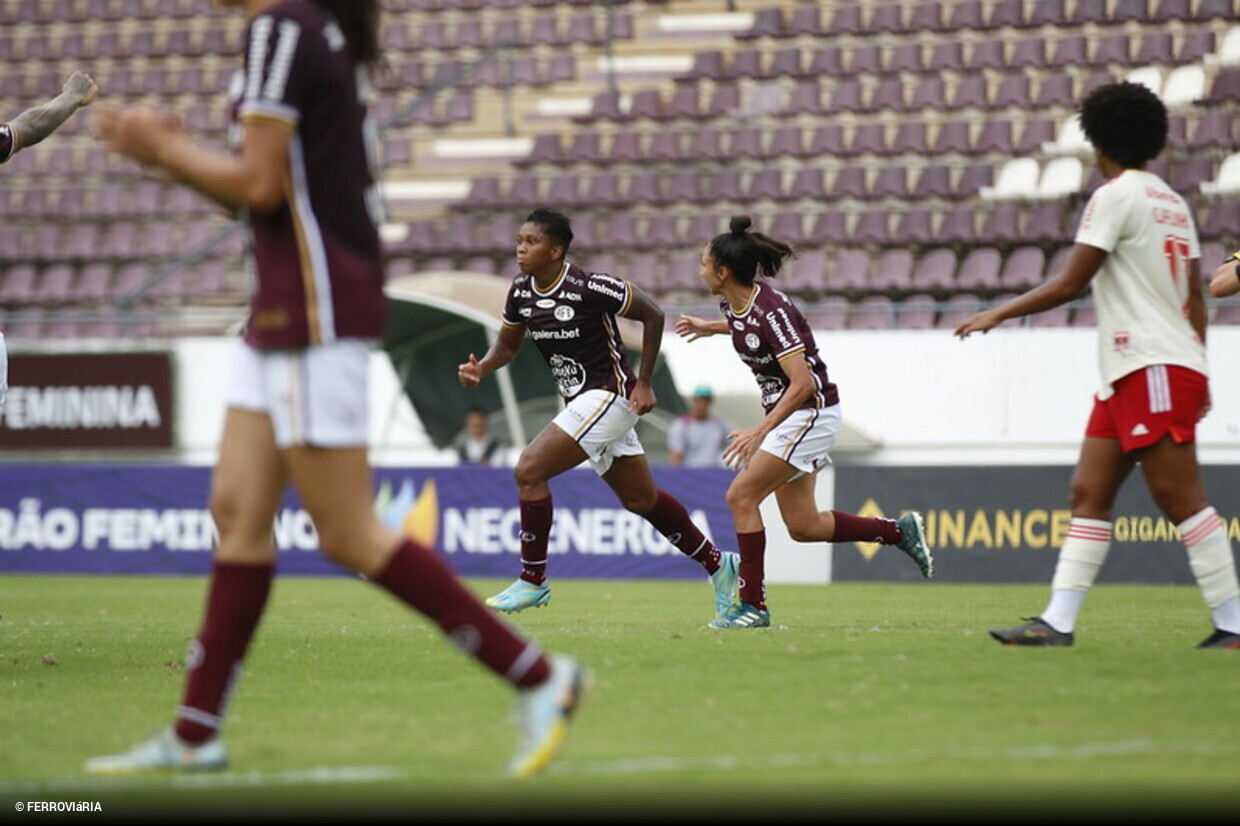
(476,446)
(697,438)
(29,128)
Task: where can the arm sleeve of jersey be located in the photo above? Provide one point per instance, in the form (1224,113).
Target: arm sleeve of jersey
(279,60)
(781,333)
(512,316)
(1103,219)
(608,293)
(6,142)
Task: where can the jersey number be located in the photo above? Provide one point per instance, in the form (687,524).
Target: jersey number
(1175,249)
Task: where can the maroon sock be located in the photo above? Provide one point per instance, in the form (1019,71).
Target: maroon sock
(670,518)
(235,601)
(852,528)
(536,518)
(752,548)
(419,577)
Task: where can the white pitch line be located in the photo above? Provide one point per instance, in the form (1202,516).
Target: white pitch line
(326,775)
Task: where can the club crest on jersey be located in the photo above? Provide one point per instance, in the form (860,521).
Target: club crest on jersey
(564,313)
(752,341)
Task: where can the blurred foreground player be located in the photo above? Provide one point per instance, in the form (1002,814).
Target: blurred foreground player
(297,409)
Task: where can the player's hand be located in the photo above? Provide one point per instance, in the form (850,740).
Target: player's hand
(643,399)
(983,322)
(470,373)
(691,327)
(81,85)
(742,444)
(138,132)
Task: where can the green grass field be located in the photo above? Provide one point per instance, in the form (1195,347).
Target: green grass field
(863,699)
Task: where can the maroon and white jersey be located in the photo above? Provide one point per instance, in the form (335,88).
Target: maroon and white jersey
(6,142)
(317,257)
(772,328)
(573,325)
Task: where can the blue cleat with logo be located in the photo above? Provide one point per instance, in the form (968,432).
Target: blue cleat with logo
(743,615)
(914,542)
(724,581)
(520,595)
(543,714)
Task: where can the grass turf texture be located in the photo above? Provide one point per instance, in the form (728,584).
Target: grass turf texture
(861,700)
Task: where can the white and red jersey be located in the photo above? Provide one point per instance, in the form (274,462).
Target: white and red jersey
(6,142)
(1141,290)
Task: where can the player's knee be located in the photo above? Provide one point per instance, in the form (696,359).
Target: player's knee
(740,500)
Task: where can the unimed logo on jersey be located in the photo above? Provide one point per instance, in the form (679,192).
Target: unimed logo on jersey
(488,529)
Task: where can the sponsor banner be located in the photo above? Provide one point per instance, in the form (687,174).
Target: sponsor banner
(88,401)
(1007,524)
(153,519)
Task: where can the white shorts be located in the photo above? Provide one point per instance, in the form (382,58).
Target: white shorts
(317,396)
(602,424)
(805,438)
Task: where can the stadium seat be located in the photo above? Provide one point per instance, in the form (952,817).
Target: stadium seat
(625,147)
(849,272)
(643,187)
(1044,224)
(829,227)
(807,183)
(905,57)
(892,271)
(19,285)
(952,136)
(1028,53)
(1114,49)
(970,92)
(1226,182)
(1156,48)
(787,226)
(1061,177)
(831,313)
(845,19)
(825,61)
(804,21)
(967,15)
(603,189)
(1184,85)
(958,225)
(1187,176)
(934,181)
(1224,87)
(864,59)
(805,274)
(891,182)
(916,312)
(1195,46)
(786,141)
(874,312)
(872,227)
(1089,11)
(1022,269)
(1069,50)
(766,184)
(915,226)
(930,93)
(980,270)
(957,309)
(849,182)
(1006,13)
(844,97)
(868,139)
(1017,178)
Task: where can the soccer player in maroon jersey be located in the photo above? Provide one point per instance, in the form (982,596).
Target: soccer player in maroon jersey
(27,129)
(1137,251)
(571,316)
(783,452)
(301,177)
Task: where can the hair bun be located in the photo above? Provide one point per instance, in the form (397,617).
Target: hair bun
(739,224)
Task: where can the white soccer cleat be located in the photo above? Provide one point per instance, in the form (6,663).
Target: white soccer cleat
(163,752)
(543,714)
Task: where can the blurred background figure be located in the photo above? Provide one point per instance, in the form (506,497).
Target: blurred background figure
(476,445)
(698,437)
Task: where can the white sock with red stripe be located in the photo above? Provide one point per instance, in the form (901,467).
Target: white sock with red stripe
(1080,559)
(1210,557)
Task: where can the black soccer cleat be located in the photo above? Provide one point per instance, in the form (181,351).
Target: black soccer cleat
(1221,639)
(1033,632)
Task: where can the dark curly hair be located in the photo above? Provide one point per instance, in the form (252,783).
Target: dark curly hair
(1126,122)
(555,224)
(748,254)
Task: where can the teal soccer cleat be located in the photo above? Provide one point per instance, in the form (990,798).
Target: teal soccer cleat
(520,595)
(724,582)
(543,714)
(162,752)
(914,542)
(743,615)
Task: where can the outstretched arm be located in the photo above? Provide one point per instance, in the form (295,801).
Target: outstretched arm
(501,351)
(1226,280)
(38,122)
(253,178)
(1083,265)
(644,309)
(693,328)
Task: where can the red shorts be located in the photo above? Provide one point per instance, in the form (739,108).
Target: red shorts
(1161,400)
